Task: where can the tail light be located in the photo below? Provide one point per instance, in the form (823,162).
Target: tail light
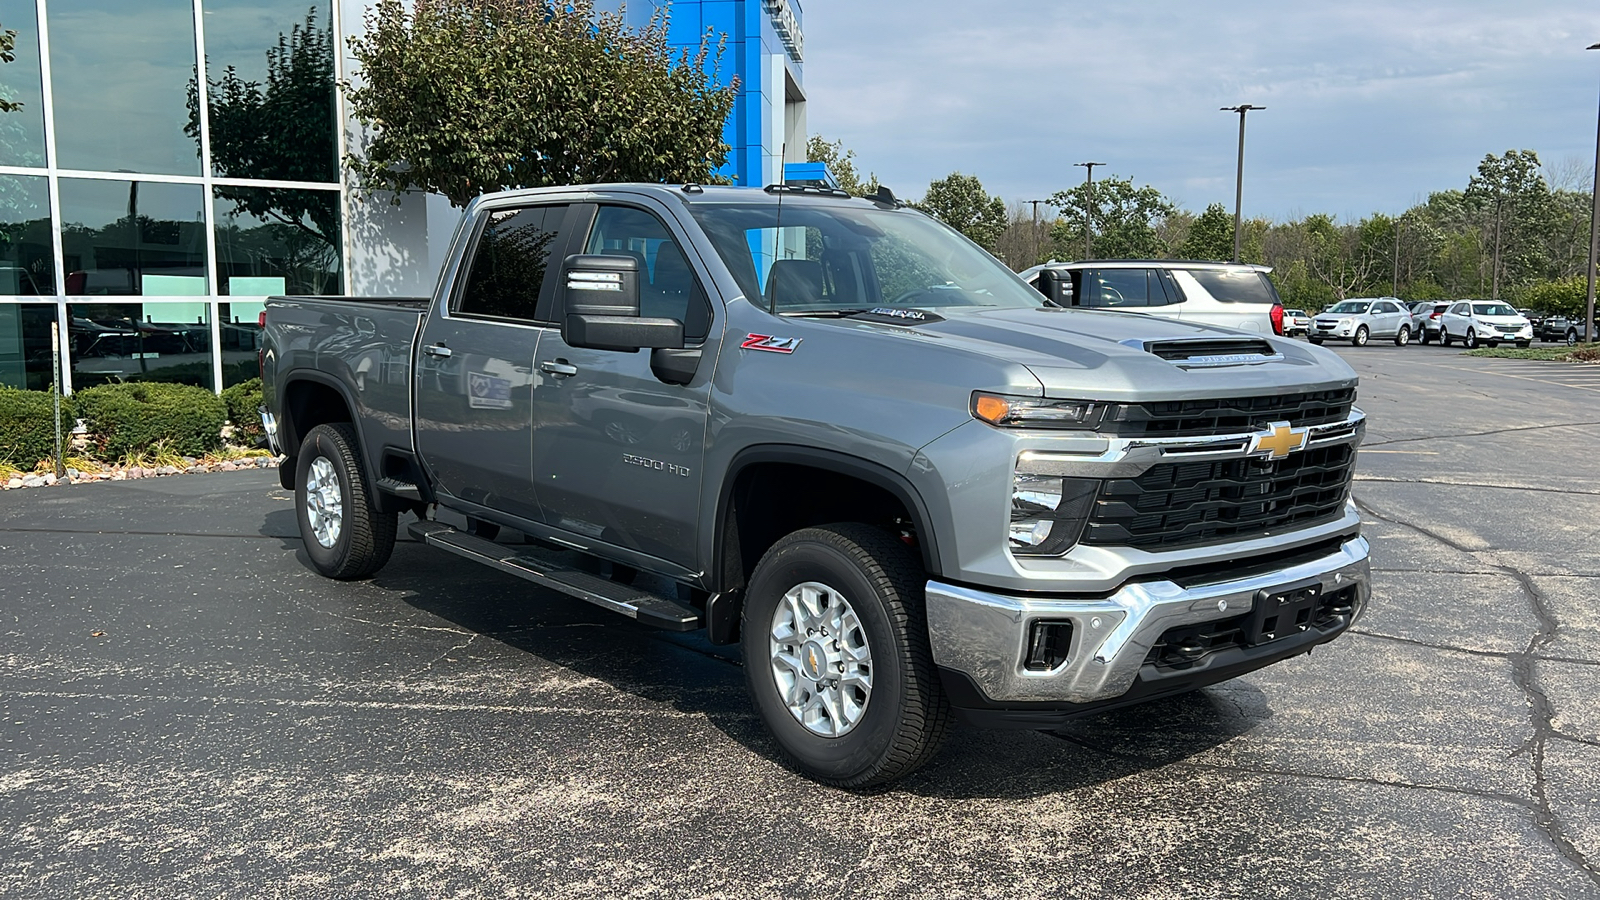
(1277,318)
(261,350)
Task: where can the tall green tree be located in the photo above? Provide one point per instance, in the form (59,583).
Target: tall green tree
(1514,202)
(841,164)
(8,43)
(468,96)
(1210,235)
(1123,219)
(961,202)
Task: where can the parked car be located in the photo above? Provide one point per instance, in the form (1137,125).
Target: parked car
(1425,319)
(1360,320)
(1558,328)
(1232,295)
(1484,321)
(1296,321)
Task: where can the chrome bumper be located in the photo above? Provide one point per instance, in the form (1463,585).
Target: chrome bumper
(984,635)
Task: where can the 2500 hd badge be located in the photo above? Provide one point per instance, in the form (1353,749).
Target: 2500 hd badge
(647,463)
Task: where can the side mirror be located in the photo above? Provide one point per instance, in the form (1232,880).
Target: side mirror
(601,301)
(1057,286)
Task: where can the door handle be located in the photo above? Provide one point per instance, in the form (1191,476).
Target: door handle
(438,350)
(558,368)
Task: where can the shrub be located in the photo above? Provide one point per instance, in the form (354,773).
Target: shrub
(26,433)
(243,399)
(128,419)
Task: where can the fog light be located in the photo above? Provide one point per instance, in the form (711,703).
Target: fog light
(1047,512)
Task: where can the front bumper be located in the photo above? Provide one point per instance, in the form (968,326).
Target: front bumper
(984,636)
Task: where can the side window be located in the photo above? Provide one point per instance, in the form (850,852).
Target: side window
(668,288)
(1122,288)
(510,262)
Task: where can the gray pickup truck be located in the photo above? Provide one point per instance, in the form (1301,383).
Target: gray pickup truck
(835,431)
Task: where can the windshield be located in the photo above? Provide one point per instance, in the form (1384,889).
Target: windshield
(834,259)
(1350,306)
(1493,309)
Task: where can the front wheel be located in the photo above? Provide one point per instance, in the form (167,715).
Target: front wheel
(1471,340)
(836,655)
(345,534)
(1360,340)
(1402,337)
(1572,337)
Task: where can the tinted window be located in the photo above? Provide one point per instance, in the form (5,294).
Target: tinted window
(278,241)
(133,237)
(26,251)
(120,73)
(667,286)
(1236,285)
(1124,288)
(22,132)
(509,265)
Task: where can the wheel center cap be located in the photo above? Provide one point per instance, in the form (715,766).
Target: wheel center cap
(813,659)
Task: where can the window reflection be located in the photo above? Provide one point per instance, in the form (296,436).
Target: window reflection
(277,241)
(22,130)
(26,267)
(118,342)
(270,85)
(25,358)
(133,237)
(119,74)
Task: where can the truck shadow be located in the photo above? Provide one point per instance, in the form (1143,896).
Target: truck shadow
(694,677)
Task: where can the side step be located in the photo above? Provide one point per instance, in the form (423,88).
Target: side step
(399,488)
(647,608)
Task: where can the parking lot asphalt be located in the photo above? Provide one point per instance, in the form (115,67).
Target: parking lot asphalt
(190,711)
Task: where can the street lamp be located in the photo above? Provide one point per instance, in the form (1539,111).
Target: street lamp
(1238,181)
(1088,207)
(1035,203)
(1594,227)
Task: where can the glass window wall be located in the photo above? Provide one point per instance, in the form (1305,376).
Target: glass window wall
(121,77)
(26,251)
(133,237)
(21,130)
(25,358)
(278,241)
(271,89)
(117,342)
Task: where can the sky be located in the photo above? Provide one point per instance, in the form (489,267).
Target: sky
(1370,106)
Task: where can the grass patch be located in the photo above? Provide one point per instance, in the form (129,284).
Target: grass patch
(1575,353)
(8,472)
(233,454)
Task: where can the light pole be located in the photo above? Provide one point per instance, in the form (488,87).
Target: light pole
(1088,208)
(1036,203)
(1238,181)
(1594,231)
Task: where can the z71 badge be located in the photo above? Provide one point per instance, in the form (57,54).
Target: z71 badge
(770,343)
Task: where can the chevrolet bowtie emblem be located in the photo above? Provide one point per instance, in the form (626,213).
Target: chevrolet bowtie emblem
(812,659)
(1278,441)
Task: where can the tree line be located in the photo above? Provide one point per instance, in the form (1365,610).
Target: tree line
(1514,231)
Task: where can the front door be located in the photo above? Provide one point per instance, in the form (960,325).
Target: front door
(474,407)
(618,452)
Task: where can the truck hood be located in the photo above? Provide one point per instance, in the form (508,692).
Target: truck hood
(1111,355)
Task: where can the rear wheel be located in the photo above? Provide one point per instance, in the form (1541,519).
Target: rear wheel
(345,534)
(837,658)
(1422,336)
(1572,336)
(1360,339)
(1402,337)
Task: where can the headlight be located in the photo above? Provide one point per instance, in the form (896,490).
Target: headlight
(1033,412)
(1047,512)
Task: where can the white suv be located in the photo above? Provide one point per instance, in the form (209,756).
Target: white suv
(1228,294)
(1484,321)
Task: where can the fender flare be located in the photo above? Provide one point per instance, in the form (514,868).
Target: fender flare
(896,484)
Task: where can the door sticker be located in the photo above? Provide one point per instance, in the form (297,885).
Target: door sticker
(488,392)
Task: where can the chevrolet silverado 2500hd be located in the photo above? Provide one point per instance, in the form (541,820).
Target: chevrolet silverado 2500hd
(912,488)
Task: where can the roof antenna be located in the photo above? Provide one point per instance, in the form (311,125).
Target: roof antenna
(884,195)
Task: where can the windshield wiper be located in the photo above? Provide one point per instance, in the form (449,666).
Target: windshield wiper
(825,313)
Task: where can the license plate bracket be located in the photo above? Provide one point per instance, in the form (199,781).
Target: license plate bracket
(1282,612)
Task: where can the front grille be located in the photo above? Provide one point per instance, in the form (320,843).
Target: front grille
(1175,505)
(1231,415)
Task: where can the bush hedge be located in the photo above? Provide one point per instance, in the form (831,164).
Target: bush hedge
(244,400)
(26,433)
(131,418)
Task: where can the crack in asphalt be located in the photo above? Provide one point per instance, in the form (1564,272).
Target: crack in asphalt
(446,654)
(1451,648)
(1541,711)
(1503,487)
(188,534)
(1512,430)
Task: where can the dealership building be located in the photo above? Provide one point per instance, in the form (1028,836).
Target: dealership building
(150,234)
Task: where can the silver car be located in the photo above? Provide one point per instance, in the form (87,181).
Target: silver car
(1361,320)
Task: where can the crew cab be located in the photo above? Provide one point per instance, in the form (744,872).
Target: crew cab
(912,488)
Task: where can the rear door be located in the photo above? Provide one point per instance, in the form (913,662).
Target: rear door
(1138,290)
(474,405)
(617,451)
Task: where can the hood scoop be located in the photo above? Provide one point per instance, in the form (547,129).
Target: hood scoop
(1209,352)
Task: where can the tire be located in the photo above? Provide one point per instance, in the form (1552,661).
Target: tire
(1317,341)
(1471,340)
(1523,345)
(1572,336)
(1361,335)
(1444,337)
(872,584)
(1422,337)
(345,534)
(1402,337)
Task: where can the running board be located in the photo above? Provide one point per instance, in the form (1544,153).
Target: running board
(643,606)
